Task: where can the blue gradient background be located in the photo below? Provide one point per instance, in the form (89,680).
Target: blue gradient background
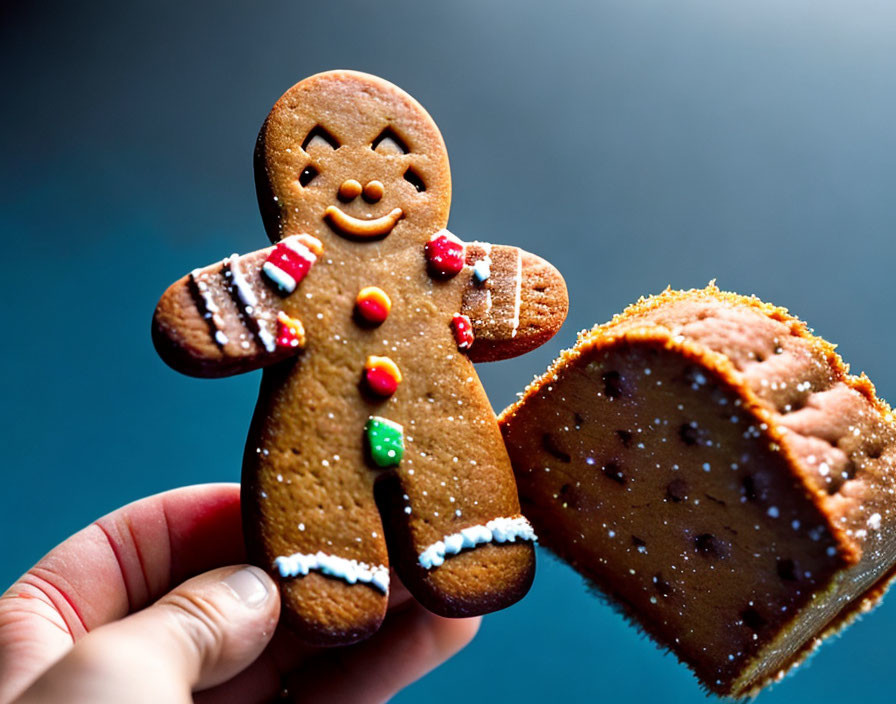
(634,143)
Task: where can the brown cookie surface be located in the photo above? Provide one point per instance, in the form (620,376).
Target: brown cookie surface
(373,443)
(715,470)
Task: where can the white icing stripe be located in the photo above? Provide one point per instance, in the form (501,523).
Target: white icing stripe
(499,530)
(267,339)
(250,302)
(211,308)
(243,290)
(202,286)
(351,571)
(482,270)
(518,296)
(292,242)
(278,276)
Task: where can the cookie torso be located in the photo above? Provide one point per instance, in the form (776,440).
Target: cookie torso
(712,467)
(309,485)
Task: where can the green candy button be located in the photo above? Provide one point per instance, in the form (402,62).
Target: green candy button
(385,440)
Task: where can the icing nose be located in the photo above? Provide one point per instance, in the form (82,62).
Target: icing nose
(373,191)
(349,190)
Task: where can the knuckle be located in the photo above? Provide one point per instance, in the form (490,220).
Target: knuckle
(201,621)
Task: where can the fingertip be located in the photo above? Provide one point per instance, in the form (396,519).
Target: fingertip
(452,635)
(253,587)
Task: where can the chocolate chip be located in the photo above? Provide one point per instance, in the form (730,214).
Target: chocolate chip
(677,491)
(612,471)
(755,487)
(625,436)
(787,570)
(710,546)
(688,434)
(569,495)
(550,446)
(612,385)
(752,618)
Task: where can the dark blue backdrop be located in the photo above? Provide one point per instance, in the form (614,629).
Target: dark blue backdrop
(634,143)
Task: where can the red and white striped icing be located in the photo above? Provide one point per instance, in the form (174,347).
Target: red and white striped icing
(289,263)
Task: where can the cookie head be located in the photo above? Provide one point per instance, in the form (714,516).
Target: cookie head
(352,160)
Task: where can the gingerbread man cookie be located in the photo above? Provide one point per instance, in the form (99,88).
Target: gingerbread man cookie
(373,443)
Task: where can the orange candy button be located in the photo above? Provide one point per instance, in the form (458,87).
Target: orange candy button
(290,331)
(382,375)
(373,305)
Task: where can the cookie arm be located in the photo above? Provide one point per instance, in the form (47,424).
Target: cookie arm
(515,300)
(224,319)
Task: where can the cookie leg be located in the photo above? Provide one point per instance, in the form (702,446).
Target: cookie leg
(332,568)
(460,551)
(312,522)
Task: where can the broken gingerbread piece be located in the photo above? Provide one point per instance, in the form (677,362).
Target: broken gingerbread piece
(715,470)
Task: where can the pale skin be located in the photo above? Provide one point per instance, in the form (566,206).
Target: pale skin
(152,603)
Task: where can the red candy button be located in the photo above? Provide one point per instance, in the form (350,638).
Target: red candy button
(382,375)
(463,331)
(445,255)
(373,305)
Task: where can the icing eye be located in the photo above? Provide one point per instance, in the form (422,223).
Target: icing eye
(319,137)
(349,190)
(414,179)
(389,143)
(374,191)
(308,175)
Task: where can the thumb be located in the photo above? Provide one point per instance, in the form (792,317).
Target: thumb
(200,634)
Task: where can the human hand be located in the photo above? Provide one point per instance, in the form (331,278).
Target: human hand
(92,621)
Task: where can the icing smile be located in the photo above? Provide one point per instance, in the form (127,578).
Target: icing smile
(348,226)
